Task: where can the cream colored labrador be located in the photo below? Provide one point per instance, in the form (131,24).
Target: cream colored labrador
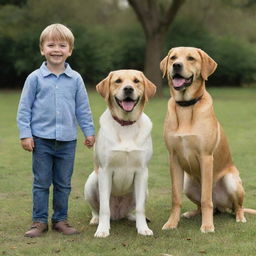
(199,153)
(118,185)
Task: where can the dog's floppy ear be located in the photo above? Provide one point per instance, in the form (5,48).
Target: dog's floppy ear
(164,63)
(103,87)
(149,87)
(208,64)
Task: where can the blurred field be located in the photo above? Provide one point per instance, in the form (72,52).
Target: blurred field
(236,110)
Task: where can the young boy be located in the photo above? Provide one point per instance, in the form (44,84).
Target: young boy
(52,100)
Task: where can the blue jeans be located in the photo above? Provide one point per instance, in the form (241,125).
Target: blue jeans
(53,163)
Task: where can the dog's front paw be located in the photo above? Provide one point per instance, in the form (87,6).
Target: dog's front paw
(207,228)
(101,233)
(145,231)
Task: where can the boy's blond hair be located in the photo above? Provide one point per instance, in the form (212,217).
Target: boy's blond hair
(57,32)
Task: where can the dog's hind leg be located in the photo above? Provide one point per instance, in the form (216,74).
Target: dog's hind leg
(131,217)
(191,214)
(235,190)
(95,218)
(92,196)
(192,190)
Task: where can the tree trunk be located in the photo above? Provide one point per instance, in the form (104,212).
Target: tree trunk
(154,47)
(155,19)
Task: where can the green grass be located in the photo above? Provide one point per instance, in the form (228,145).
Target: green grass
(236,110)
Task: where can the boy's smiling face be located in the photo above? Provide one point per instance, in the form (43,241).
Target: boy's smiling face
(56,52)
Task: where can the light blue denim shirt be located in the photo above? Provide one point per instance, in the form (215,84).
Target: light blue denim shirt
(51,106)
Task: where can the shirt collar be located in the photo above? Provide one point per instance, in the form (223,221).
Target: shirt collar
(46,72)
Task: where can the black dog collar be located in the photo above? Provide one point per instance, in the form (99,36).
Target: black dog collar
(187,103)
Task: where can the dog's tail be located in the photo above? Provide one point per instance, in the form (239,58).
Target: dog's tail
(251,211)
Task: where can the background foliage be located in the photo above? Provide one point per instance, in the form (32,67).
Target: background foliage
(109,37)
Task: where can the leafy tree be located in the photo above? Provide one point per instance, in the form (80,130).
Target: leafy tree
(13,2)
(155,16)
(108,36)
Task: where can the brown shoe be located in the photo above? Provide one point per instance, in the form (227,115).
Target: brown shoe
(37,229)
(64,228)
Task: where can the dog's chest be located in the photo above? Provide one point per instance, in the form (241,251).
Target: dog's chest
(123,151)
(128,151)
(124,165)
(187,150)
(125,158)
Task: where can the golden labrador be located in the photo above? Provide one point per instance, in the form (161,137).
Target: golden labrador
(200,159)
(118,185)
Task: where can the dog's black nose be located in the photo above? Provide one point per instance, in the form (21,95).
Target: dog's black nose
(177,66)
(128,90)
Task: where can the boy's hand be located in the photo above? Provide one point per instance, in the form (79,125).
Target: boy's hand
(27,144)
(89,141)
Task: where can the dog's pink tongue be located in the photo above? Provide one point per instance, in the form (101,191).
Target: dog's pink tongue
(127,105)
(178,82)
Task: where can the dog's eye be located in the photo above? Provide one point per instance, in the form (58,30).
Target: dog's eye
(118,81)
(173,57)
(136,81)
(190,58)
